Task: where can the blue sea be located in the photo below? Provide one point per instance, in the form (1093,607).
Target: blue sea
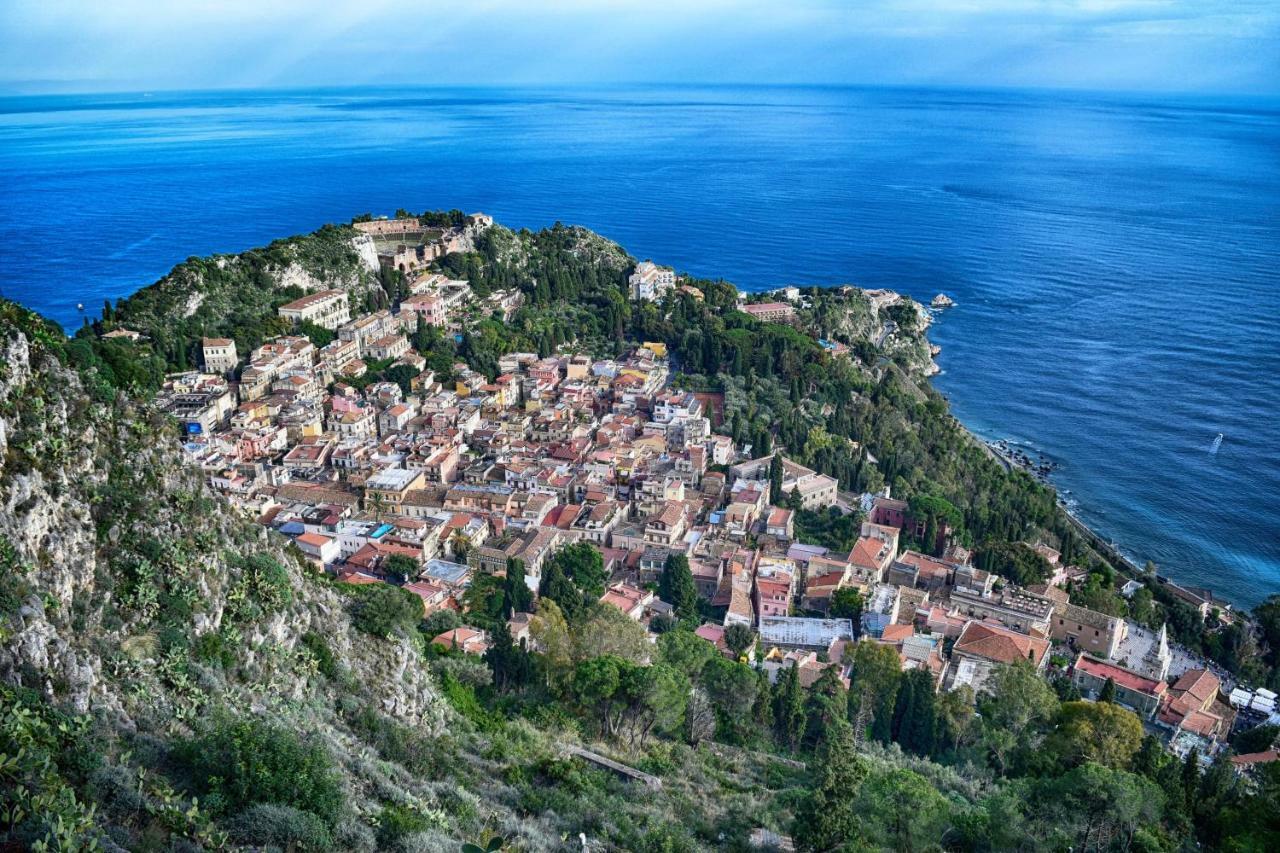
(1115,260)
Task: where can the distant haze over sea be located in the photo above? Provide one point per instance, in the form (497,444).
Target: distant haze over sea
(1116,262)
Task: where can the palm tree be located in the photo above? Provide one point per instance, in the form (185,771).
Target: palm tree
(379,502)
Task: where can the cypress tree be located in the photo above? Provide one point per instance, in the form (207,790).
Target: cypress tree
(794,501)
(1191,775)
(764,442)
(824,706)
(763,708)
(903,710)
(776,495)
(920,727)
(788,708)
(500,656)
(519,597)
(676,587)
(828,816)
(555,584)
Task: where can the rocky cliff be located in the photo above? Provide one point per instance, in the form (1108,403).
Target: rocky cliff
(134,597)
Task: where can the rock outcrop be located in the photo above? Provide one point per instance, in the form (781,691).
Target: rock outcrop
(133,595)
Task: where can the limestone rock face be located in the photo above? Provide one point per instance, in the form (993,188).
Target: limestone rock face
(368,252)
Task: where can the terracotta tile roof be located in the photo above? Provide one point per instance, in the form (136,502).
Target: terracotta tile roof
(1198,684)
(625,598)
(713,634)
(1251,758)
(1000,644)
(1122,677)
(828,581)
(1201,723)
(897,633)
(356,578)
(866,552)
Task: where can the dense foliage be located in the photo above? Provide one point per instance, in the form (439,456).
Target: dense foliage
(238,763)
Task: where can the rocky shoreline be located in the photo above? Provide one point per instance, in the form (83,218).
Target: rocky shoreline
(1035,462)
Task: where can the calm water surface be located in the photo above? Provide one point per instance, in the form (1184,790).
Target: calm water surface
(1115,260)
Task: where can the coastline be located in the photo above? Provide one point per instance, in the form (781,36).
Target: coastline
(1096,540)
(998,449)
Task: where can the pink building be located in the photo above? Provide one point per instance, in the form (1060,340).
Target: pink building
(771,312)
(428,306)
(889,512)
(773,597)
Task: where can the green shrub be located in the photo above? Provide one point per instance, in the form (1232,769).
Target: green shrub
(440,621)
(263,588)
(395,822)
(464,700)
(244,762)
(384,610)
(395,742)
(281,826)
(14,587)
(319,648)
(213,648)
(45,755)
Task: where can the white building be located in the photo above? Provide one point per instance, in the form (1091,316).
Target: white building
(802,633)
(327,308)
(650,281)
(219,354)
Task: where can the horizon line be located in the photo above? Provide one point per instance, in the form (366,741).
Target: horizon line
(16,89)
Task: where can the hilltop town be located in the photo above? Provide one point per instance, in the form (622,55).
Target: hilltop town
(423,498)
(461,476)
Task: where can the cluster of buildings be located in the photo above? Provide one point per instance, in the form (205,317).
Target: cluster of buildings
(462,476)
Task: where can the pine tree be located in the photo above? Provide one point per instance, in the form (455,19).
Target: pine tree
(828,816)
(1108,692)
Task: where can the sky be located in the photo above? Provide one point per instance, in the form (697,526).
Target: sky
(1194,46)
